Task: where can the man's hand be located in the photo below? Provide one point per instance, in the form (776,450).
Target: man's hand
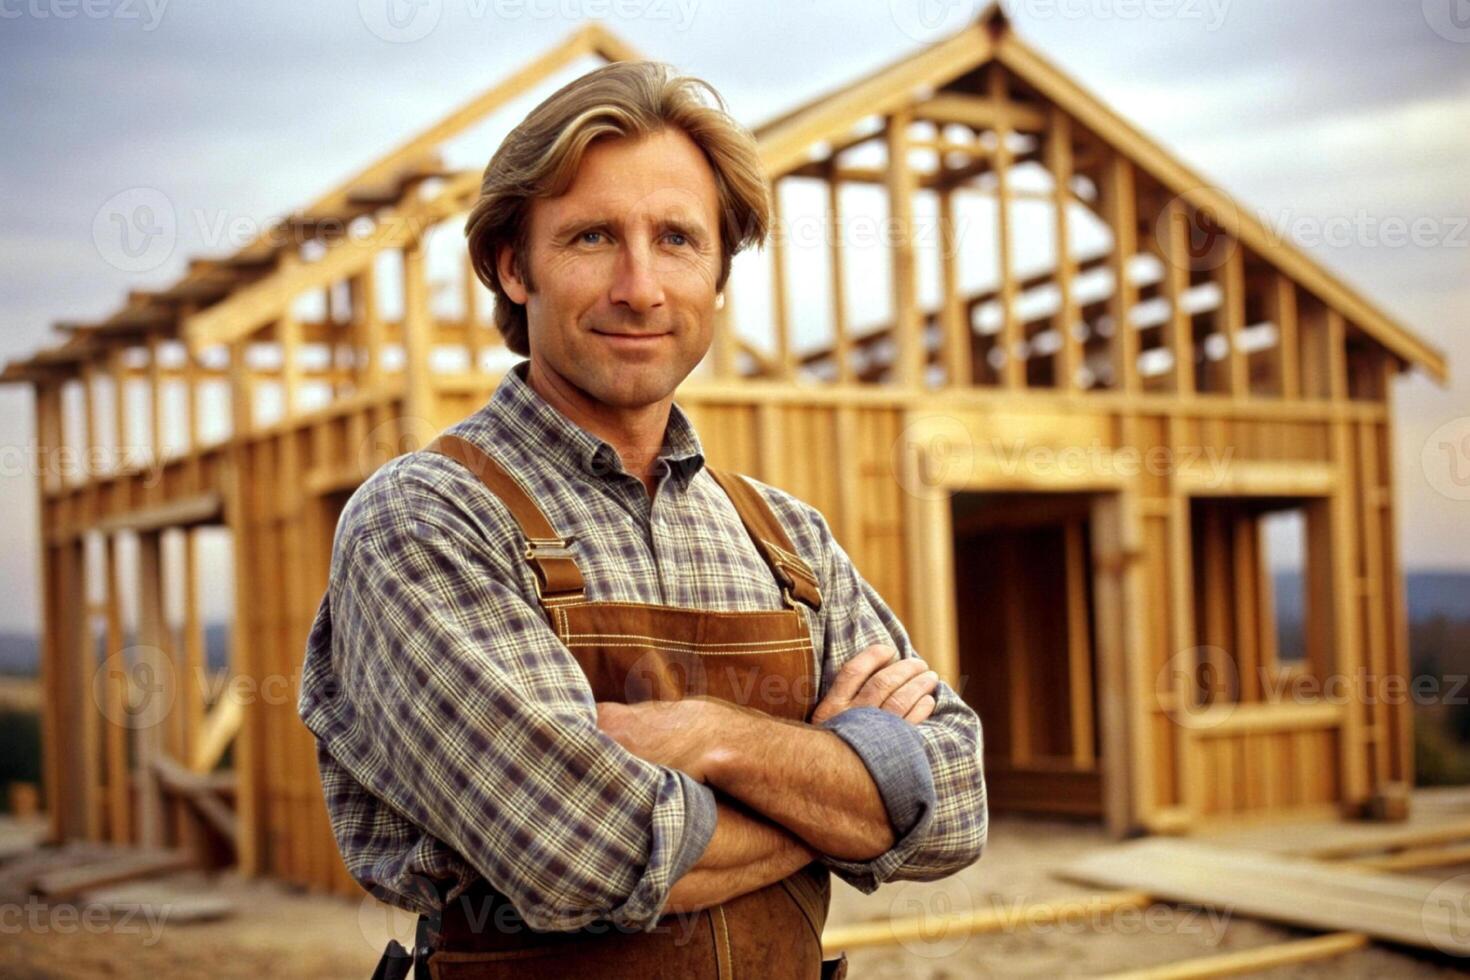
(667,733)
(872,678)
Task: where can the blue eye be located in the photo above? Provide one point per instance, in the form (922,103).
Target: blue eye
(584,234)
(680,235)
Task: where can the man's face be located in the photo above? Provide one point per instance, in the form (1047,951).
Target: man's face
(624,265)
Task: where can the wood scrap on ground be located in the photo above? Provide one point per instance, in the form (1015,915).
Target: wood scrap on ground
(1299,891)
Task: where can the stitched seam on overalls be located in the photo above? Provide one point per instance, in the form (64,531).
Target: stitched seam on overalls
(713,653)
(695,610)
(687,643)
(725,935)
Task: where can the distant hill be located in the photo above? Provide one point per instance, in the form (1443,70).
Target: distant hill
(1430,594)
(20,653)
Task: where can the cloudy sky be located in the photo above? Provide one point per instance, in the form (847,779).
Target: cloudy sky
(1342,123)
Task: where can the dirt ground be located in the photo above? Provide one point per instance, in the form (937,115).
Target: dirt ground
(275,931)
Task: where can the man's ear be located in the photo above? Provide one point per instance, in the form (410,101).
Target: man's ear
(510,275)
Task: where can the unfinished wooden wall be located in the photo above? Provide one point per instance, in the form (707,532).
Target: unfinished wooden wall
(1200,343)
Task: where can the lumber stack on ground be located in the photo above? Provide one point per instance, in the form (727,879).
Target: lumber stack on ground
(1299,891)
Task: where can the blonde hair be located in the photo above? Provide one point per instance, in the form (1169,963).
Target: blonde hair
(540,157)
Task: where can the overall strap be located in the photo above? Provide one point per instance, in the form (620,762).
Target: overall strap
(791,570)
(558,579)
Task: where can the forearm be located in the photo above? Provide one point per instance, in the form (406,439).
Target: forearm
(807,780)
(745,853)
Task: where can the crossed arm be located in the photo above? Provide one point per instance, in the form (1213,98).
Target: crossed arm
(798,791)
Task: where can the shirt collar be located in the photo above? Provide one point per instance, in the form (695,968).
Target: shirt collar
(518,412)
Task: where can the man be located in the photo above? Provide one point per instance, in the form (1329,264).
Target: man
(467,740)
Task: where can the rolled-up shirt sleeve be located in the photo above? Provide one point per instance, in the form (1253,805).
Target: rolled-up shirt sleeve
(930,776)
(445,694)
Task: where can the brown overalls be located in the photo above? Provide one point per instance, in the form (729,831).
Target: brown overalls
(631,652)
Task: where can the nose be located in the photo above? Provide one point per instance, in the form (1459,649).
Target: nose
(635,282)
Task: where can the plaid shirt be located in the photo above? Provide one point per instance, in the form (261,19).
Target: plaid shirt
(456,735)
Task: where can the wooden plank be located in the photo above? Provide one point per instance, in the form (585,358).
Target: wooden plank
(215,733)
(1013,367)
(954,321)
(119,780)
(419,401)
(184,512)
(939,929)
(1285,359)
(1120,213)
(1059,162)
(1415,859)
(246,660)
(836,249)
(1230,277)
(66,883)
(1127,789)
(158,899)
(1179,330)
(1299,891)
(783,362)
(48,408)
(152,670)
(1251,960)
(786,143)
(199,793)
(980,112)
(908,365)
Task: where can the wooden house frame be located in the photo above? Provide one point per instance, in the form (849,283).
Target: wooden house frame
(1111,617)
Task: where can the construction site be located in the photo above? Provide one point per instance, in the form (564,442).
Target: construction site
(1064,415)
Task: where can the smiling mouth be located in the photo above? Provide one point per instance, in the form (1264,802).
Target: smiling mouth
(631,336)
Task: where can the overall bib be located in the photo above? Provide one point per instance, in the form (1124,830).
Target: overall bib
(632,652)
